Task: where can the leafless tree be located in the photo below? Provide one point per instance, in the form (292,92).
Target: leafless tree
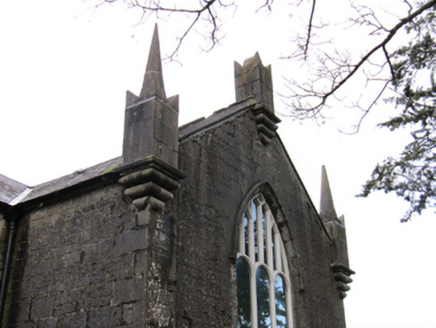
(335,68)
(204,12)
(398,51)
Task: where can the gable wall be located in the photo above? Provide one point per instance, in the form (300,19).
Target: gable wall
(222,165)
(93,260)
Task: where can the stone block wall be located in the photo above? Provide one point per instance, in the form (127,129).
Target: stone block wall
(79,263)
(222,165)
(3,240)
(94,260)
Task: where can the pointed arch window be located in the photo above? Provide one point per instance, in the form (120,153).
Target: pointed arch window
(262,272)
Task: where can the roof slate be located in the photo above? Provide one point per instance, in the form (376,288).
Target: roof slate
(10,189)
(73,179)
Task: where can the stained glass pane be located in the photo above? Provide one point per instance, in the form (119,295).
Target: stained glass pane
(265,258)
(256,251)
(262,290)
(246,234)
(273,246)
(280,295)
(243,293)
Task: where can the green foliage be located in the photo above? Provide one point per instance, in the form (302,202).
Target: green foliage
(109,170)
(412,175)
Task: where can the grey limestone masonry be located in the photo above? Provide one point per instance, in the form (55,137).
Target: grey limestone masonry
(77,259)
(222,182)
(150,239)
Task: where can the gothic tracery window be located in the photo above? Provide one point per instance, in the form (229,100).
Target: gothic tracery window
(262,272)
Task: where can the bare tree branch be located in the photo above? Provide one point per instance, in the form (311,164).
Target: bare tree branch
(382,45)
(338,80)
(267,4)
(199,10)
(367,110)
(309,30)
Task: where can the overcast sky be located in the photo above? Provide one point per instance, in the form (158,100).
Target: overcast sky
(64,71)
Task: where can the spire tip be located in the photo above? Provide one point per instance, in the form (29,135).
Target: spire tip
(153,84)
(327,208)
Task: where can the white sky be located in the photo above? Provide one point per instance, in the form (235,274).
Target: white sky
(63,77)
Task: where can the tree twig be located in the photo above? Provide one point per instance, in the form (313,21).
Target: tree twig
(309,30)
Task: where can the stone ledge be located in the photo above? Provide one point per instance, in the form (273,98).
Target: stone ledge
(266,123)
(150,183)
(341,274)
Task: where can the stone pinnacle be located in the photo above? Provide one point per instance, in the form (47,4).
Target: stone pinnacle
(153,84)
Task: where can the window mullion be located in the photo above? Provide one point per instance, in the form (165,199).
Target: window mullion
(253,296)
(277,249)
(269,248)
(272,303)
(289,305)
(261,243)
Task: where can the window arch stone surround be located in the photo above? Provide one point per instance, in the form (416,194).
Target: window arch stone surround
(281,220)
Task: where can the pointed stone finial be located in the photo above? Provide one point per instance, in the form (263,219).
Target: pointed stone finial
(336,230)
(151,120)
(151,141)
(327,208)
(253,61)
(254,79)
(153,84)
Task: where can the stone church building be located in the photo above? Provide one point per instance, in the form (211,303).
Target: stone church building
(202,225)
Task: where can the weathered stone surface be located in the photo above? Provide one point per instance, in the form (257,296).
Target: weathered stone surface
(225,163)
(153,84)
(3,239)
(94,260)
(77,262)
(136,245)
(151,129)
(254,79)
(151,120)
